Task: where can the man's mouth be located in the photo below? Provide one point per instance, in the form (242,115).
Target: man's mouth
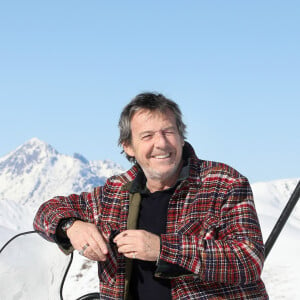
(162,156)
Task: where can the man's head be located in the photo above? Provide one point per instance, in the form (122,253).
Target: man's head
(152,133)
(152,102)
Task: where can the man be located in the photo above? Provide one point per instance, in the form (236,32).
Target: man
(171,227)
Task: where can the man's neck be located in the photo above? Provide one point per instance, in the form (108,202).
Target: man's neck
(155,185)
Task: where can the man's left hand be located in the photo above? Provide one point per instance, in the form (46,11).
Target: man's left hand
(138,244)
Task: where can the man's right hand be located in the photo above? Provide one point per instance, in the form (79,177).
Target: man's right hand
(82,234)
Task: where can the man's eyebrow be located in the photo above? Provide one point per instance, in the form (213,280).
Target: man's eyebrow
(169,128)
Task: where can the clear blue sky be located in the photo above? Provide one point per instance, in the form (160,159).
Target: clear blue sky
(67,68)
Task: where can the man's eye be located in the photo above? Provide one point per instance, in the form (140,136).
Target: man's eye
(169,132)
(146,137)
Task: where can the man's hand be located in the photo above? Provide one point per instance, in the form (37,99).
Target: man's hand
(138,244)
(86,237)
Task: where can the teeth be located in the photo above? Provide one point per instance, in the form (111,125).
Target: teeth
(162,156)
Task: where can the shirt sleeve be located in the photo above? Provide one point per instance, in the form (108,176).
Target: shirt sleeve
(227,250)
(84,206)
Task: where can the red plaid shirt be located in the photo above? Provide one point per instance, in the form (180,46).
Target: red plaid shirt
(212,248)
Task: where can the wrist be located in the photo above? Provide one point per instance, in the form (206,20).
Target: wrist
(67,224)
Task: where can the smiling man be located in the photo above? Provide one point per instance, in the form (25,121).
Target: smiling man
(157,147)
(172,227)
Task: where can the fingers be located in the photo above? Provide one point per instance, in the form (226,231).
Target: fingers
(84,248)
(97,242)
(96,250)
(125,241)
(138,244)
(86,238)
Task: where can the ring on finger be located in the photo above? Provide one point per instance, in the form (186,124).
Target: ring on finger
(133,255)
(83,249)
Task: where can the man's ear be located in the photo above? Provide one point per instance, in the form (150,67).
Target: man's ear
(128,149)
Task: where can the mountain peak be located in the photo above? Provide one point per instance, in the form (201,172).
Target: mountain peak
(26,155)
(36,171)
(36,143)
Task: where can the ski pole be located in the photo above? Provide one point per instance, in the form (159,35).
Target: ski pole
(282,219)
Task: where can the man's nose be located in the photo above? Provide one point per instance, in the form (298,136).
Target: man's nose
(160,138)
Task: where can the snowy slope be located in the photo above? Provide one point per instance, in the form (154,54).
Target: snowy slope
(281,272)
(35,171)
(270,198)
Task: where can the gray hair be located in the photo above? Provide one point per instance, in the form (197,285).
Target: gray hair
(152,102)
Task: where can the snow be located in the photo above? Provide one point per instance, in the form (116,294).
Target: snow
(281,273)
(31,268)
(35,171)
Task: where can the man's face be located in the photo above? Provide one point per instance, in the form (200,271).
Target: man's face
(156,144)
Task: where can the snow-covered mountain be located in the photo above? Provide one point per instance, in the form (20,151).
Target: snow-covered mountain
(35,172)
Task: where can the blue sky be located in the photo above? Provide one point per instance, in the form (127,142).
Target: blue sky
(67,68)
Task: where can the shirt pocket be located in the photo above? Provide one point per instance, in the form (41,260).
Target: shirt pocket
(205,226)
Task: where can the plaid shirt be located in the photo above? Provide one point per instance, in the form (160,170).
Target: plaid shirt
(212,248)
